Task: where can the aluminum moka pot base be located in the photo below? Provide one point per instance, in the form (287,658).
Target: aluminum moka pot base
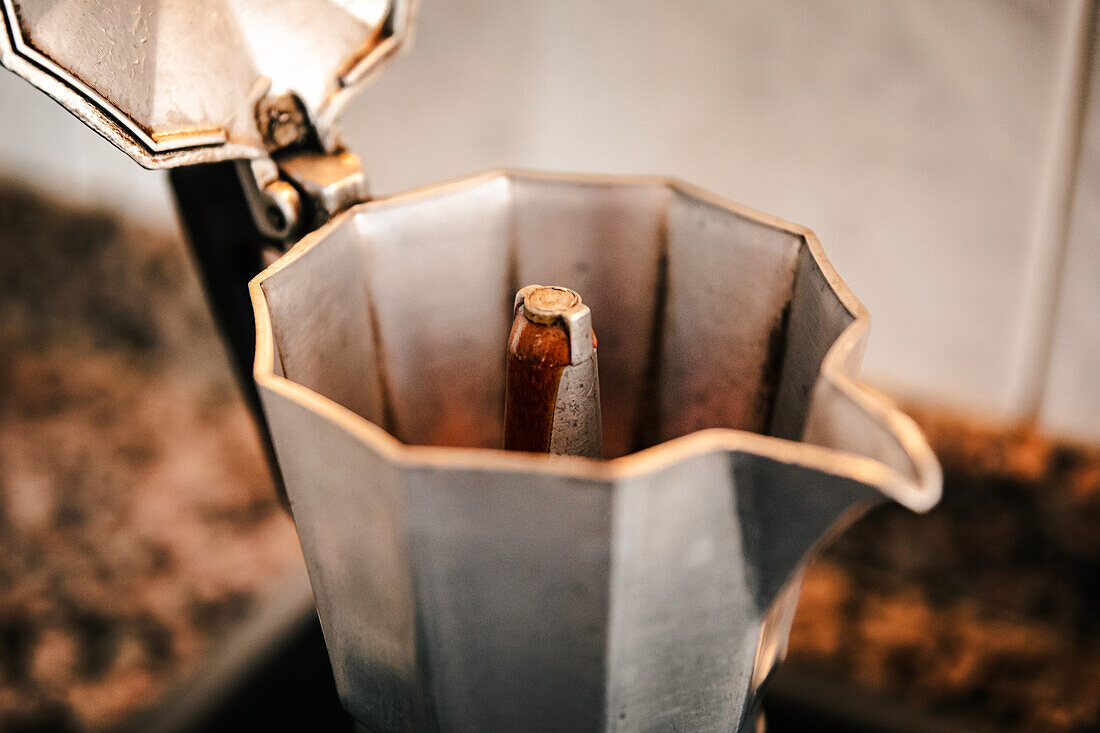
(461,587)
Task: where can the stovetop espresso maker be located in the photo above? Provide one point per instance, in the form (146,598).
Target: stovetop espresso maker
(461,586)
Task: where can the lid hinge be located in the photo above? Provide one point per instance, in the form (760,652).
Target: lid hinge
(298,191)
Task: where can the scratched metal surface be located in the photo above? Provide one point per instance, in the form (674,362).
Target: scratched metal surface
(178,83)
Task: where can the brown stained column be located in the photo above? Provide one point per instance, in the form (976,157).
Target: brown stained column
(552,399)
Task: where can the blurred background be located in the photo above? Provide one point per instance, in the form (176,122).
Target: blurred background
(947,154)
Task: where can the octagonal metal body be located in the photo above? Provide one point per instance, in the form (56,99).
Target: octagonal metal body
(461,587)
(179,82)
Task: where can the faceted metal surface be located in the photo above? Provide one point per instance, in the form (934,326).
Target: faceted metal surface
(178,82)
(461,587)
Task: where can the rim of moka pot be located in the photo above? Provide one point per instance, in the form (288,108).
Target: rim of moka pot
(920,490)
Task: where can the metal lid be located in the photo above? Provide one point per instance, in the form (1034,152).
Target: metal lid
(180,82)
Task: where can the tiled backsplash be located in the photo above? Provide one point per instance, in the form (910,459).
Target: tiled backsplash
(911,135)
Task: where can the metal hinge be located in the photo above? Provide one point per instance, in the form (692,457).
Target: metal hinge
(296,192)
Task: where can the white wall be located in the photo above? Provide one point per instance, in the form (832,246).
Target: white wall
(1071,403)
(911,135)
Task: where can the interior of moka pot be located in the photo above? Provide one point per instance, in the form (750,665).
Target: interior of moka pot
(707,315)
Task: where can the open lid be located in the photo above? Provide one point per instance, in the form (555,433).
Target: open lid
(181,82)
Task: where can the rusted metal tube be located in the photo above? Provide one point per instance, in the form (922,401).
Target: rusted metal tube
(552,398)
